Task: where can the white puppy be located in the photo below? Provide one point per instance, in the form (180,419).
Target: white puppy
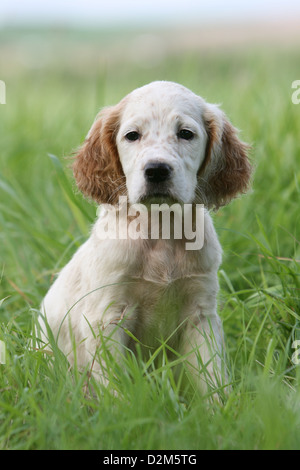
(161,143)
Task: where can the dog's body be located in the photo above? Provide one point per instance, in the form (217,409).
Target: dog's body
(160,144)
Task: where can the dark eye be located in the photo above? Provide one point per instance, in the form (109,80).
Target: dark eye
(185,134)
(132,136)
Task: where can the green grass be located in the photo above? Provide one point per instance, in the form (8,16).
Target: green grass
(44,404)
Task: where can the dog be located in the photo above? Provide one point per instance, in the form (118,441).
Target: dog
(162,144)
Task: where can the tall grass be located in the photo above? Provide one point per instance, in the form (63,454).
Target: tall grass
(44,403)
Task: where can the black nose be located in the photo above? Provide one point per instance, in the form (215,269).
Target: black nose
(157,172)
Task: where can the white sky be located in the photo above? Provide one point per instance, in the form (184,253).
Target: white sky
(82,12)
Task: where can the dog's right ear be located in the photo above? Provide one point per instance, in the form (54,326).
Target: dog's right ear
(227,169)
(97,167)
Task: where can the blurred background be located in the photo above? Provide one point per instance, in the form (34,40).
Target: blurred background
(63,60)
(99,38)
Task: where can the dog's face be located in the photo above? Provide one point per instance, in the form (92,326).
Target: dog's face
(162,143)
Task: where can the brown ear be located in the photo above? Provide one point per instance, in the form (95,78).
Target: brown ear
(226,169)
(97,167)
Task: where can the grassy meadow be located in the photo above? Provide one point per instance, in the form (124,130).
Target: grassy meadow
(55,84)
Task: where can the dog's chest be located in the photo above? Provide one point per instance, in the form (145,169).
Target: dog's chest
(165,262)
(162,279)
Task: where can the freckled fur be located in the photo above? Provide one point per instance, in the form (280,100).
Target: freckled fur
(150,286)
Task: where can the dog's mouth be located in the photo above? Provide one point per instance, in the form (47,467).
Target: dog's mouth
(159,197)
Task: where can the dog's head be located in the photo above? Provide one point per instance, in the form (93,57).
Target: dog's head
(162,143)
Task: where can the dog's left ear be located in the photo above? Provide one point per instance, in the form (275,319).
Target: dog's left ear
(97,168)
(226,170)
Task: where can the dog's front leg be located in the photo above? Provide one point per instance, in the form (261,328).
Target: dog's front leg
(203,346)
(106,341)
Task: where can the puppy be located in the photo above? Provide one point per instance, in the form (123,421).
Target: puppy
(162,144)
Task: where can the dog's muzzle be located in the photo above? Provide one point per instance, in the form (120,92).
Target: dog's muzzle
(157,172)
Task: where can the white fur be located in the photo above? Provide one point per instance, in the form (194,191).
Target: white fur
(157,120)
(149,287)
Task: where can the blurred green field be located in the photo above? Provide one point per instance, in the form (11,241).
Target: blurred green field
(49,109)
